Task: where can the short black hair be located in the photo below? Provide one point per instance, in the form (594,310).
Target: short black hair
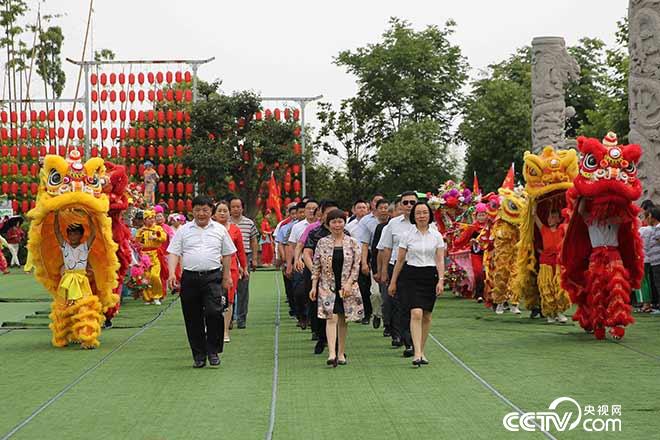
(76,227)
(232,198)
(217,205)
(312,201)
(293,208)
(377,195)
(408,193)
(412,212)
(335,214)
(655,212)
(301,205)
(360,201)
(202,200)
(382,202)
(647,205)
(139,215)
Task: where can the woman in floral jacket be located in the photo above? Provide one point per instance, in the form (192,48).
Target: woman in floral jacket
(334,280)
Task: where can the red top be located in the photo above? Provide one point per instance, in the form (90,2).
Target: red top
(552,241)
(15,235)
(239,256)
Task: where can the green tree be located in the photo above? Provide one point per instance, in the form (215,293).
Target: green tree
(497,120)
(227,141)
(611,107)
(409,76)
(414,158)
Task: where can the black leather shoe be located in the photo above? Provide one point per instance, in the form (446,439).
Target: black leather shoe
(386,332)
(199,363)
(214,360)
(315,337)
(365,321)
(376,322)
(408,352)
(396,342)
(241,325)
(319,347)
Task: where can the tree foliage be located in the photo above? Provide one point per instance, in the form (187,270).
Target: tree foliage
(226,141)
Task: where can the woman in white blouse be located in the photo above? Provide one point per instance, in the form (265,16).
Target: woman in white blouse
(423,252)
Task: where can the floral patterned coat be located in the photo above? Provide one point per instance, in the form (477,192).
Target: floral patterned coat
(322,270)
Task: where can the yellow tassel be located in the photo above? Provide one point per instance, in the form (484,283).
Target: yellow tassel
(554,299)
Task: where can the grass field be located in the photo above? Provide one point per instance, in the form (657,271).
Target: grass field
(140,385)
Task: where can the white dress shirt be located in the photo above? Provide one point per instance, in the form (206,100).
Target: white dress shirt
(201,249)
(604,234)
(392,233)
(366,228)
(421,247)
(297,230)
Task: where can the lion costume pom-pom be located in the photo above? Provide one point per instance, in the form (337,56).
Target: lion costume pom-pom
(74,189)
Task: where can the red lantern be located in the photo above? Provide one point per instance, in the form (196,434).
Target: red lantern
(297,149)
(161,169)
(169,132)
(258,116)
(170,150)
(189,205)
(122,152)
(190,188)
(132,169)
(187,95)
(141,151)
(151,95)
(104,133)
(178,77)
(168,77)
(34,188)
(24,169)
(287,201)
(187,77)
(24,188)
(14,205)
(5,187)
(81,133)
(231,186)
(95,152)
(170,187)
(141,170)
(179,187)
(140,78)
(170,204)
(159,95)
(159,77)
(113,152)
(113,133)
(104,115)
(169,95)
(25,206)
(287,186)
(132,152)
(42,151)
(178,133)
(3,133)
(104,152)
(277,114)
(104,95)
(95,96)
(296,186)
(161,187)
(93,79)
(141,133)
(131,95)
(151,133)
(14,188)
(60,115)
(34,132)
(95,115)
(95,133)
(13,151)
(287,114)
(5,171)
(188,172)
(113,115)
(122,115)
(179,150)
(179,169)
(178,95)
(14,169)
(113,96)
(150,77)
(24,151)
(42,133)
(51,150)
(170,169)
(296,114)
(122,96)
(104,79)
(132,133)
(79,116)
(140,95)
(180,205)
(113,78)
(122,78)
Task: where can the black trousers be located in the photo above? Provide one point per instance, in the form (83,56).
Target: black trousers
(364,282)
(654,281)
(288,289)
(203,304)
(302,284)
(400,311)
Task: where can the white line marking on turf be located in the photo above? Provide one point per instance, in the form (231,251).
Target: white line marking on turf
(90,370)
(276,365)
(488,386)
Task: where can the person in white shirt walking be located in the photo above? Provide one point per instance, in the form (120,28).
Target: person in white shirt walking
(388,246)
(422,260)
(250,235)
(204,249)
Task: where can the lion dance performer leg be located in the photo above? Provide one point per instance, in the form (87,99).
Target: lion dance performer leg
(116,185)
(151,237)
(602,254)
(79,272)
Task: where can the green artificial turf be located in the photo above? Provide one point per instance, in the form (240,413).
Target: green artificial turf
(147,390)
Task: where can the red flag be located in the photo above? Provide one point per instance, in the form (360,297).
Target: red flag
(509,179)
(475,185)
(274,202)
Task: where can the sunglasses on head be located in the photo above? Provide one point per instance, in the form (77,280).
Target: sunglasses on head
(408,202)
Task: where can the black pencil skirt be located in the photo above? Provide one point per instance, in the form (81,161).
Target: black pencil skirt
(419,287)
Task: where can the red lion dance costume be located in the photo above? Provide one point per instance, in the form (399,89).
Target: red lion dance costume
(117,182)
(602,252)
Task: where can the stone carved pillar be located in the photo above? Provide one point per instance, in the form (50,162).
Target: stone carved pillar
(644,91)
(552,69)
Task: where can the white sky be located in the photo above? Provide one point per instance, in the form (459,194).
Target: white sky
(286,47)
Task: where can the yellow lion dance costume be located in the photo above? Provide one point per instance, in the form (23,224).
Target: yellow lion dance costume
(69,186)
(547,177)
(505,235)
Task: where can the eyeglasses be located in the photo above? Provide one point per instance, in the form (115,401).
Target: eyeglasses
(408,202)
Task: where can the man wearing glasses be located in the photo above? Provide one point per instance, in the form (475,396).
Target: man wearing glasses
(389,249)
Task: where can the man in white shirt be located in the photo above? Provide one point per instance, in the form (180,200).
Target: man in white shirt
(389,241)
(301,297)
(204,249)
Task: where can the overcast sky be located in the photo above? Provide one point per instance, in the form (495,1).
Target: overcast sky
(286,47)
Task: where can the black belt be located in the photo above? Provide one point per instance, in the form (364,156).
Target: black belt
(202,272)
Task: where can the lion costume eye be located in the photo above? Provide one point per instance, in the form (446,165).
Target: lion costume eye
(512,206)
(631,168)
(54,178)
(590,162)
